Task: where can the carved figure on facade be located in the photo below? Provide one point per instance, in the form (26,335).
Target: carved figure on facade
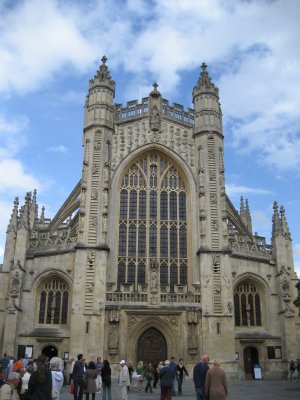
(221,160)
(114,315)
(99,308)
(113,343)
(192,336)
(155,120)
(215,224)
(206,279)
(213,198)
(227,280)
(154,281)
(97,145)
(192,316)
(85,171)
(93,220)
(216,259)
(94,194)
(95,169)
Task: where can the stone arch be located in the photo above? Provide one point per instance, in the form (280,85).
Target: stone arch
(254,307)
(64,279)
(152,346)
(191,203)
(160,323)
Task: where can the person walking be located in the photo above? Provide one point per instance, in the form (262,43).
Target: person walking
(57,375)
(78,372)
(166,376)
(89,379)
(292,369)
(156,375)
(124,380)
(174,367)
(148,374)
(40,381)
(215,383)
(199,375)
(181,372)
(106,380)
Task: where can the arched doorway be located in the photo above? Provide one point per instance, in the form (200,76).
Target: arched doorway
(152,346)
(50,351)
(250,358)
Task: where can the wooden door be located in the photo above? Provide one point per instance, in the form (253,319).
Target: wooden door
(152,346)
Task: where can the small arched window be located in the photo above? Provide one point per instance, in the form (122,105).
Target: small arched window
(247,304)
(54,301)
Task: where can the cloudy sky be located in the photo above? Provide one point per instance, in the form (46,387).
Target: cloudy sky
(50,49)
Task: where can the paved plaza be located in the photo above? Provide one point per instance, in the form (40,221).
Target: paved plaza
(238,390)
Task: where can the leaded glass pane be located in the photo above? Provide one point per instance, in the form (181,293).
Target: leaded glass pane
(133,205)
(237,315)
(244,310)
(173,206)
(182,242)
(183,274)
(142,241)
(142,204)
(122,240)
(164,206)
(173,242)
(164,280)
(123,204)
(152,241)
(131,273)
(42,307)
(257,309)
(151,184)
(141,274)
(57,307)
(64,312)
(132,241)
(153,205)
(164,241)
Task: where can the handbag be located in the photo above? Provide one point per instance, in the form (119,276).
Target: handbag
(72,388)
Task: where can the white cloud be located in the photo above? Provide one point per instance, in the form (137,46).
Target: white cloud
(58,149)
(13,177)
(12,137)
(239,190)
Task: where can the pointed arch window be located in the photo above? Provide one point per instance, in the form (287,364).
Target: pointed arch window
(54,301)
(247,304)
(152,222)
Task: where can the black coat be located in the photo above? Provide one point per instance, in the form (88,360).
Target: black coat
(40,391)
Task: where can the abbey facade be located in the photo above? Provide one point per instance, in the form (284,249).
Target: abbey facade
(148,258)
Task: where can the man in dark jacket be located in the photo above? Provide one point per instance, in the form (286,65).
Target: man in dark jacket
(166,376)
(199,375)
(78,372)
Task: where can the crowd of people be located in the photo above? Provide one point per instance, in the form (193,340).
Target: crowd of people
(43,379)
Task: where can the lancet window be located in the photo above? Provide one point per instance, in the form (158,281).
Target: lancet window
(152,223)
(54,300)
(247,304)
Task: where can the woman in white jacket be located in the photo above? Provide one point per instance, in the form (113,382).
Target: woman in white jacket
(57,376)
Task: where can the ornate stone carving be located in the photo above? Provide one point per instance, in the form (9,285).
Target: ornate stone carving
(114,315)
(155,120)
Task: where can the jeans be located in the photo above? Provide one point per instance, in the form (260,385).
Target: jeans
(106,391)
(200,393)
(78,394)
(180,380)
(148,385)
(87,396)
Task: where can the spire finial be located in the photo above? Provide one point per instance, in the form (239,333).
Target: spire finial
(203,66)
(104,59)
(155,86)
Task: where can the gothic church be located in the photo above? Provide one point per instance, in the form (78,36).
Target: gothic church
(148,258)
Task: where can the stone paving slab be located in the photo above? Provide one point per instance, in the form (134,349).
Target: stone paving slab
(238,390)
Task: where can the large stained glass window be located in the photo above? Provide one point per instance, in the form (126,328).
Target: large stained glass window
(54,301)
(247,307)
(152,224)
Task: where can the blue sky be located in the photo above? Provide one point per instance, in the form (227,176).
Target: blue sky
(50,49)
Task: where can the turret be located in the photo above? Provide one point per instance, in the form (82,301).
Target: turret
(99,103)
(208,114)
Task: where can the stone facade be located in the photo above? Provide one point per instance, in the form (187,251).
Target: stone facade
(148,258)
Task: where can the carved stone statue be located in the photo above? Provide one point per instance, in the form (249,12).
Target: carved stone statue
(155,119)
